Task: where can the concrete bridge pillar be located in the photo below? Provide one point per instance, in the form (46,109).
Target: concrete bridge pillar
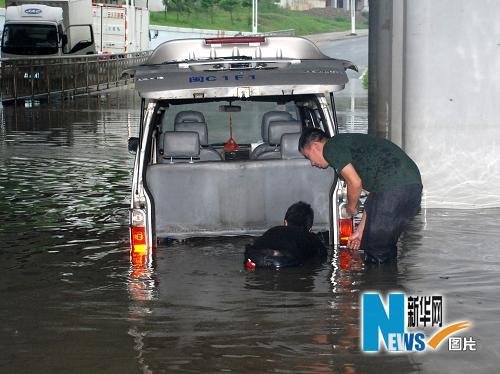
(434,89)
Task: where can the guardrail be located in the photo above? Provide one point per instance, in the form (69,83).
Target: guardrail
(31,78)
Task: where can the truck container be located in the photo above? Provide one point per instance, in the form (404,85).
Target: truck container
(120,28)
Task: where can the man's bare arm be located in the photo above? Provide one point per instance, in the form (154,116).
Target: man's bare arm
(354,187)
(354,241)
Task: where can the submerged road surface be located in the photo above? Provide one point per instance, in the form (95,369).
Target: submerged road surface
(73,302)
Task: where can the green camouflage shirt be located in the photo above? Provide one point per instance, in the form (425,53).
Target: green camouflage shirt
(380,164)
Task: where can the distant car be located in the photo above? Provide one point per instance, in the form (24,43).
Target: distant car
(217,152)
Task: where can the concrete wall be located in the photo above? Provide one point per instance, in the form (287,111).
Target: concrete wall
(448,115)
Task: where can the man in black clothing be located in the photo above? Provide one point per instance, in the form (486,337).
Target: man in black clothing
(292,244)
(382,169)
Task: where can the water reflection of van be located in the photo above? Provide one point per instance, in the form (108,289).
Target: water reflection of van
(217,152)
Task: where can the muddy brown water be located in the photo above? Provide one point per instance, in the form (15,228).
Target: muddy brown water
(72,302)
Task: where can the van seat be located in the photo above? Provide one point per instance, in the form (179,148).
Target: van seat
(267,118)
(189,116)
(191,120)
(235,198)
(181,146)
(290,146)
(276,130)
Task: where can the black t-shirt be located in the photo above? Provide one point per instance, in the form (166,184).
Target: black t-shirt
(380,164)
(283,246)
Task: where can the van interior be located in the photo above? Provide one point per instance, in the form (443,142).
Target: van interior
(232,167)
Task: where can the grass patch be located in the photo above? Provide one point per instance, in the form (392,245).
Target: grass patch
(273,19)
(365,80)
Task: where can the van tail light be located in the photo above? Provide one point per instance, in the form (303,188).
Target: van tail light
(138,240)
(139,251)
(140,254)
(345,229)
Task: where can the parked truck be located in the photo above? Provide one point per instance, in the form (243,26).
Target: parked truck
(35,28)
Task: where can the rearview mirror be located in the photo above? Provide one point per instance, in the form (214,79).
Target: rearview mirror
(229,108)
(153,34)
(133,144)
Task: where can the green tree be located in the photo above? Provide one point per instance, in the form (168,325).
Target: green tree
(229,6)
(248,4)
(188,6)
(176,5)
(166,4)
(209,7)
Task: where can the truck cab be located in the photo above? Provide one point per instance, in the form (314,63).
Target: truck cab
(217,151)
(47,28)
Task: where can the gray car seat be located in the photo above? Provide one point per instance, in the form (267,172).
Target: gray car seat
(290,146)
(189,116)
(181,146)
(268,117)
(276,130)
(191,120)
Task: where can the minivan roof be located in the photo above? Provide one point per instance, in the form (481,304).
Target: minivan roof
(239,67)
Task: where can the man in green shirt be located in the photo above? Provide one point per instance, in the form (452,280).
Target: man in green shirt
(381,168)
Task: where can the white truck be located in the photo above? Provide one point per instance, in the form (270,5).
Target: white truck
(35,28)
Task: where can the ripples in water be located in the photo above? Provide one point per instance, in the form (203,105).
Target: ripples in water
(73,302)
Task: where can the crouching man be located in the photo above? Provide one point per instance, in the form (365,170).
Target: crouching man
(292,244)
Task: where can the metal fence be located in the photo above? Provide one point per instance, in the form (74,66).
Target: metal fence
(32,78)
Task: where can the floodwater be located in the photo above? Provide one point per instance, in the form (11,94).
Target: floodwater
(71,301)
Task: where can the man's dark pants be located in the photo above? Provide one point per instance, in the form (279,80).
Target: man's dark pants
(387,214)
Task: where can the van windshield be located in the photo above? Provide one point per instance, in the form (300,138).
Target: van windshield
(22,39)
(245,115)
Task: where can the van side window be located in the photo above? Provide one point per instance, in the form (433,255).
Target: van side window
(312,115)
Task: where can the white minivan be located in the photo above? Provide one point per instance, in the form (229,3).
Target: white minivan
(217,152)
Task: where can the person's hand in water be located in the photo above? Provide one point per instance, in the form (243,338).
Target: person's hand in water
(354,240)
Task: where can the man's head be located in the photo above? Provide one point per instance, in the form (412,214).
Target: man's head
(300,214)
(311,145)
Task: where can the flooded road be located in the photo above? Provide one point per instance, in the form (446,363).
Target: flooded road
(72,301)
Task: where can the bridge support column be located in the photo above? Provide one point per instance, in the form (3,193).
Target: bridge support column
(433,89)
(385,84)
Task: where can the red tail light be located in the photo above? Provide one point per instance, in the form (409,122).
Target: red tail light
(236,40)
(345,230)
(250,265)
(138,240)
